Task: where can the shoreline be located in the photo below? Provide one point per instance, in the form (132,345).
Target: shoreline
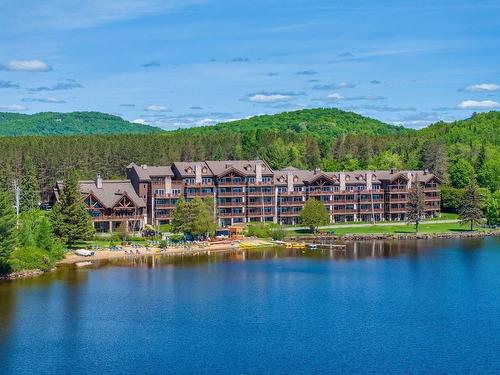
(253,243)
(400,236)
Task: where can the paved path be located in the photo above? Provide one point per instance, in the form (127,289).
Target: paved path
(382,224)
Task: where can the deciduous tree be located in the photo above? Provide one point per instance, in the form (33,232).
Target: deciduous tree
(314,214)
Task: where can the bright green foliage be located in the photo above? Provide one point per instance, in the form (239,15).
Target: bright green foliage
(470,210)
(259,230)
(70,219)
(314,214)
(38,247)
(29,198)
(488,168)
(52,123)
(415,208)
(387,160)
(451,198)
(461,173)
(195,217)
(8,238)
(491,209)
(279,233)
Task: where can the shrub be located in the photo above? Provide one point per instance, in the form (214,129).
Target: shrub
(279,233)
(31,258)
(259,230)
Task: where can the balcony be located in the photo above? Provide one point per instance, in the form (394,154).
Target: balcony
(231,183)
(291,203)
(165,205)
(231,204)
(200,194)
(117,217)
(260,193)
(259,204)
(231,194)
(433,199)
(291,193)
(259,213)
(320,192)
(288,214)
(231,214)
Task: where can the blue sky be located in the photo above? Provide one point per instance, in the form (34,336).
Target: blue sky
(185,63)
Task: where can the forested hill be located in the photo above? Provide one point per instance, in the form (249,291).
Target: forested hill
(330,139)
(324,122)
(480,128)
(73,123)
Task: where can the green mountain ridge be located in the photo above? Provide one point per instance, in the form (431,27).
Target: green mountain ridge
(330,122)
(72,123)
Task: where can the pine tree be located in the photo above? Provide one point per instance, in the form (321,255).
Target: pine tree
(44,237)
(470,210)
(436,159)
(70,218)
(415,208)
(30,194)
(8,238)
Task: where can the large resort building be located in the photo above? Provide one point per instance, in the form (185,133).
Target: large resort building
(246,191)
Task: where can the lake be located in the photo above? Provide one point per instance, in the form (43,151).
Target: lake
(420,307)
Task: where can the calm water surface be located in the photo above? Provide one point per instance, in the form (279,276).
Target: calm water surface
(403,307)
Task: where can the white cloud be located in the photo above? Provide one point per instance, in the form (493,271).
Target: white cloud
(479,104)
(50,100)
(335,96)
(13,108)
(26,66)
(482,87)
(156,108)
(269,98)
(139,121)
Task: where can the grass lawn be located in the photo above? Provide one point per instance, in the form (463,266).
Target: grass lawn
(427,227)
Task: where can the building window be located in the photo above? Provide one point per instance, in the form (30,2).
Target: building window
(160,192)
(251,179)
(266,179)
(282,189)
(206,180)
(189,181)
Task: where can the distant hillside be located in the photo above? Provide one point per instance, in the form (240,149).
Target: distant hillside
(324,122)
(480,128)
(73,123)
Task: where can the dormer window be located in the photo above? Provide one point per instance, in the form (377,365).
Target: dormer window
(189,170)
(295,179)
(282,179)
(204,170)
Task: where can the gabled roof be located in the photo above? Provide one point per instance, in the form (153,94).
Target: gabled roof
(187,169)
(110,193)
(145,172)
(245,167)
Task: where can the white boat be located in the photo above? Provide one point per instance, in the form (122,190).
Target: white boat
(84,253)
(312,246)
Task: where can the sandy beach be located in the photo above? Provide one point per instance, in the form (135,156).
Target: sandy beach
(248,243)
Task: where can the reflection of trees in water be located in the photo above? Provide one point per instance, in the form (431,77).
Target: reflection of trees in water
(354,250)
(8,300)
